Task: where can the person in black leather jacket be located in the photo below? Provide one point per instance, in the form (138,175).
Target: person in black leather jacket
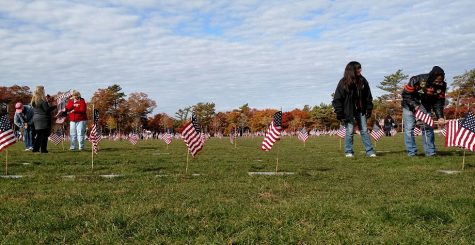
(353,102)
(425,92)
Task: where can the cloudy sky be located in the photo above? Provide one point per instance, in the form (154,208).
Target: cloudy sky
(269,54)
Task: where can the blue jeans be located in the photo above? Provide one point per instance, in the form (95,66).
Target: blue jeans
(409,139)
(77,131)
(361,121)
(28,135)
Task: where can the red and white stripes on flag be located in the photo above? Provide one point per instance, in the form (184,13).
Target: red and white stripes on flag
(192,136)
(273,132)
(7,137)
(466,133)
(377,134)
(425,118)
(56,137)
(133,139)
(451,128)
(167,138)
(94,138)
(303,135)
(341,132)
(417,131)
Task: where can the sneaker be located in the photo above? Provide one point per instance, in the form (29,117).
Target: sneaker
(349,155)
(372,155)
(27,149)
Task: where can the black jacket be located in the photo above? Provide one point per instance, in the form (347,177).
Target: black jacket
(420,91)
(344,100)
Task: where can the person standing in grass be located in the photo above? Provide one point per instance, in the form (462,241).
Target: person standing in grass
(77,107)
(41,119)
(23,119)
(425,92)
(352,103)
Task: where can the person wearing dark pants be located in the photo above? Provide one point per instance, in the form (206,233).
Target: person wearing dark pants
(41,119)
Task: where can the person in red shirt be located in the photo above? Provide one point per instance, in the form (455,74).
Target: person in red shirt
(76,107)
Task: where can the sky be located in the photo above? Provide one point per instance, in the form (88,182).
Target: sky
(269,54)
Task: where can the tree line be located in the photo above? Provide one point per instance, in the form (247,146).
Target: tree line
(133,112)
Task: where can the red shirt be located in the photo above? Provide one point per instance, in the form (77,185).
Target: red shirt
(77,114)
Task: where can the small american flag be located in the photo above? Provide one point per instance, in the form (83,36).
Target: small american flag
(341,132)
(303,135)
(377,134)
(95,136)
(451,129)
(466,134)
(425,118)
(167,138)
(232,137)
(56,137)
(133,139)
(417,131)
(273,132)
(7,137)
(192,136)
(61,99)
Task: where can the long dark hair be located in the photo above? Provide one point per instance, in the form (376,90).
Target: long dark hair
(350,77)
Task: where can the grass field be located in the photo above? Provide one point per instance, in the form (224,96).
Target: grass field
(329,199)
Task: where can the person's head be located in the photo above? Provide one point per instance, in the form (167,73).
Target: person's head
(38,96)
(352,74)
(436,76)
(19,107)
(75,95)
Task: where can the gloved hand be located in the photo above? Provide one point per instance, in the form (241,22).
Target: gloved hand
(368,113)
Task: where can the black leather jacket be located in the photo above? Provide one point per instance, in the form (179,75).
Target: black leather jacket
(344,100)
(418,91)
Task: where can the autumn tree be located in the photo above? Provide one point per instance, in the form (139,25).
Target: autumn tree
(111,103)
(139,106)
(463,93)
(205,113)
(13,94)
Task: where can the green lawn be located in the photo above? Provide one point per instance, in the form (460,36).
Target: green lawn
(329,199)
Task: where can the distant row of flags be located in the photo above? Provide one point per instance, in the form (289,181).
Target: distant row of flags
(457,133)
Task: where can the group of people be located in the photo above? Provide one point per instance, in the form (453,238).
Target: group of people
(353,103)
(35,120)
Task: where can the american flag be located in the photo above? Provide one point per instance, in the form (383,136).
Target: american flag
(273,132)
(61,99)
(167,138)
(192,136)
(341,132)
(232,137)
(56,137)
(377,134)
(466,134)
(303,135)
(7,137)
(451,129)
(426,118)
(417,131)
(95,136)
(133,139)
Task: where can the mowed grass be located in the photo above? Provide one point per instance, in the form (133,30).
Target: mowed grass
(329,199)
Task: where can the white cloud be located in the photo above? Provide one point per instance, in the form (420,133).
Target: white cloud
(265,53)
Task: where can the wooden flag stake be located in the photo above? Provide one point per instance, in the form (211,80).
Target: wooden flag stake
(463,160)
(187,160)
(6,162)
(92,148)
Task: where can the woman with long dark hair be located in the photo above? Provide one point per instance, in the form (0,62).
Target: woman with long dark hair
(352,103)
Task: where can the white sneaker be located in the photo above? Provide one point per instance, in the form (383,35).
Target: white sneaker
(372,155)
(27,149)
(348,155)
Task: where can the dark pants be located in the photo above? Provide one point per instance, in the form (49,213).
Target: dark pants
(41,141)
